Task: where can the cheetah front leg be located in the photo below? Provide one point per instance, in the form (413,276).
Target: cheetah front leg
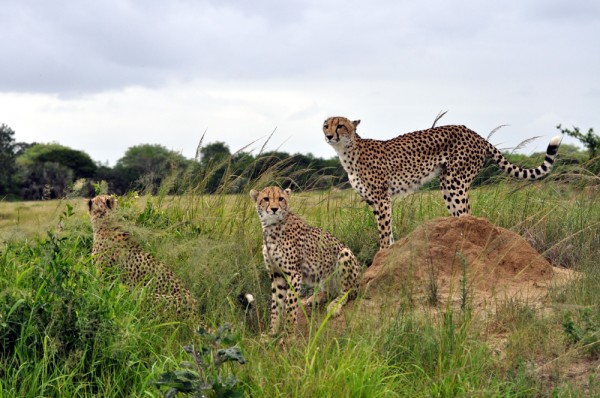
(292,300)
(348,271)
(315,299)
(279,293)
(382,209)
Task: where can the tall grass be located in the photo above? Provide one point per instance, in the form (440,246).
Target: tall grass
(67,331)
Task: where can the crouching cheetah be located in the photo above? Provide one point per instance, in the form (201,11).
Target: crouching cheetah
(114,251)
(296,253)
(379,170)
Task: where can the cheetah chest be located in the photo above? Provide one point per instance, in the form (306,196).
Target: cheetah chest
(355,178)
(274,254)
(285,258)
(356,182)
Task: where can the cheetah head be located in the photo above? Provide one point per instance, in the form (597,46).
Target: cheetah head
(271,204)
(101,205)
(339,130)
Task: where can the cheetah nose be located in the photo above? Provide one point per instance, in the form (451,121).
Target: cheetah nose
(274,210)
(329,137)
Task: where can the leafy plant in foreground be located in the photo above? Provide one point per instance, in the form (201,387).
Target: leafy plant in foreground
(205,377)
(583,328)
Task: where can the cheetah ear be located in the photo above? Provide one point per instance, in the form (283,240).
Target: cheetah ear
(288,191)
(90,205)
(356,123)
(254,194)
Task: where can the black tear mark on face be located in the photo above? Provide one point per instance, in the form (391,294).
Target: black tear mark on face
(90,205)
(109,203)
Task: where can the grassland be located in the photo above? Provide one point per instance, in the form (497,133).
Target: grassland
(65,331)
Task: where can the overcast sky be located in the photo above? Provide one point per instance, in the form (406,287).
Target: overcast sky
(101,76)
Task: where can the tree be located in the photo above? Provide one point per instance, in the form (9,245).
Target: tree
(221,171)
(589,140)
(214,152)
(79,162)
(214,161)
(7,159)
(47,180)
(147,165)
(47,170)
(9,151)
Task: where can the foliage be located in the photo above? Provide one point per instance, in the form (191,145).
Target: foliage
(9,150)
(591,142)
(49,170)
(116,179)
(46,171)
(60,321)
(78,161)
(147,166)
(583,328)
(100,188)
(443,358)
(68,332)
(208,378)
(214,153)
(65,331)
(214,162)
(48,180)
(7,158)
(302,172)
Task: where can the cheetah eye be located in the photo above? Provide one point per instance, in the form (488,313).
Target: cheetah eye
(339,126)
(265,199)
(325,126)
(281,199)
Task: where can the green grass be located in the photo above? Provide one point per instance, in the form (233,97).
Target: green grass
(66,331)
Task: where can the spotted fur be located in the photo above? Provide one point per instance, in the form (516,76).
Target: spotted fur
(296,253)
(380,170)
(115,251)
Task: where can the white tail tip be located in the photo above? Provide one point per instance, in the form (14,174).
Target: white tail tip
(556,140)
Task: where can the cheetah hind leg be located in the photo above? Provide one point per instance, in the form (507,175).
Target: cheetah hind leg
(184,306)
(347,271)
(457,199)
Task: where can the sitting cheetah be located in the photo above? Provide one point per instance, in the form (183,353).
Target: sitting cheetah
(296,253)
(114,247)
(379,170)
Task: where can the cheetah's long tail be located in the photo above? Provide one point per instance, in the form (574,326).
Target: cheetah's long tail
(526,174)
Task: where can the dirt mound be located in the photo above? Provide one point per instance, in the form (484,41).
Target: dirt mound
(439,255)
(450,260)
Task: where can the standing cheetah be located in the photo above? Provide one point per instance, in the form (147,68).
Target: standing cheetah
(296,253)
(379,170)
(113,247)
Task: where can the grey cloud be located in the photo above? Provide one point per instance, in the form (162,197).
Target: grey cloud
(71,47)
